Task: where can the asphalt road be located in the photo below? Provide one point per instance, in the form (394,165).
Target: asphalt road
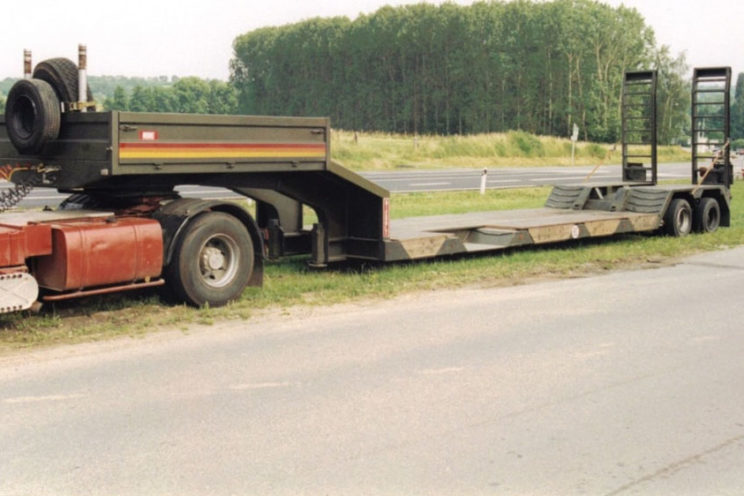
(508,177)
(427,180)
(626,383)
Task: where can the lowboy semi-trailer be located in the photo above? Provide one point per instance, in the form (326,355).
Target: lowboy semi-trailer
(124,227)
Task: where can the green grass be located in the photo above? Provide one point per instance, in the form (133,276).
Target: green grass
(291,282)
(375,151)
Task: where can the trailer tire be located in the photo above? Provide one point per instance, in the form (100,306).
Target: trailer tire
(32,115)
(678,218)
(707,215)
(62,75)
(213,260)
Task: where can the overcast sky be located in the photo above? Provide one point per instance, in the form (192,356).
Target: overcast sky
(194,37)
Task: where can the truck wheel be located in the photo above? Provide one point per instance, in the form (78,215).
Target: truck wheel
(62,75)
(213,261)
(707,215)
(32,115)
(678,219)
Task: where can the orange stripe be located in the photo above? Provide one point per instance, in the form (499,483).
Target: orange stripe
(223,150)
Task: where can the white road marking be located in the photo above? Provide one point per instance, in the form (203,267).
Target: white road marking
(260,385)
(56,197)
(445,370)
(550,179)
(39,399)
(430,184)
(704,339)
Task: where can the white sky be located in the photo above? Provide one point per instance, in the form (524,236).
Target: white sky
(194,37)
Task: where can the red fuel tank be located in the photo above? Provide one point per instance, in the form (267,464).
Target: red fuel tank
(95,252)
(19,242)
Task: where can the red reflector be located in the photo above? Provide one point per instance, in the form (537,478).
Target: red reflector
(386,217)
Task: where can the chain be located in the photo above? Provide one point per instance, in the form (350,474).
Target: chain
(11,197)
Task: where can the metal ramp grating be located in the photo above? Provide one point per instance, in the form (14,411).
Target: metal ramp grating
(565,197)
(639,127)
(711,94)
(646,200)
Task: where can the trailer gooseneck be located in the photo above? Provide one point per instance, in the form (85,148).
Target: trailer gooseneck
(124,226)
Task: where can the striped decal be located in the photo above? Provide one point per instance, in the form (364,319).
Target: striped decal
(221,150)
(7,170)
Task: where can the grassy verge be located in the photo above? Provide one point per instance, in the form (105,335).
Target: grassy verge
(378,151)
(291,282)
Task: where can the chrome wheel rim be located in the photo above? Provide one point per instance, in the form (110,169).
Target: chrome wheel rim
(218,260)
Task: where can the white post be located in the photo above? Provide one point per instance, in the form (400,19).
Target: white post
(82,75)
(574,138)
(484,178)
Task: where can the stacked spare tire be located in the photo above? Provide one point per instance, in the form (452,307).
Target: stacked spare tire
(34,107)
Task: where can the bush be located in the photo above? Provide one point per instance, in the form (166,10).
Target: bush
(527,145)
(595,150)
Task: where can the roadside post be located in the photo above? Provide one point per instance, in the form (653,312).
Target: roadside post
(574,138)
(484,178)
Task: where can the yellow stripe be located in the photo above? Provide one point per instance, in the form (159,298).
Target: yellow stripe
(217,153)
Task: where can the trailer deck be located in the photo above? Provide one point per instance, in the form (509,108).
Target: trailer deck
(571,212)
(424,237)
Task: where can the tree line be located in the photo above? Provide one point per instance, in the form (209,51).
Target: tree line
(491,66)
(157,94)
(186,95)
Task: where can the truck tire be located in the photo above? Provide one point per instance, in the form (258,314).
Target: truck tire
(678,218)
(32,115)
(707,215)
(62,75)
(213,260)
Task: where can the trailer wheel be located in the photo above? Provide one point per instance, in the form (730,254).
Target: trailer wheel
(62,75)
(32,115)
(707,215)
(678,218)
(213,261)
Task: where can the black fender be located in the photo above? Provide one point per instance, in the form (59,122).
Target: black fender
(175,215)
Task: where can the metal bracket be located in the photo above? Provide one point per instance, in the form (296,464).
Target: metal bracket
(78,106)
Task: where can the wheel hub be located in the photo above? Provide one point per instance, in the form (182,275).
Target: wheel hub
(218,260)
(213,259)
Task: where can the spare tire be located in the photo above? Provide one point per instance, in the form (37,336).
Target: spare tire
(32,115)
(62,74)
